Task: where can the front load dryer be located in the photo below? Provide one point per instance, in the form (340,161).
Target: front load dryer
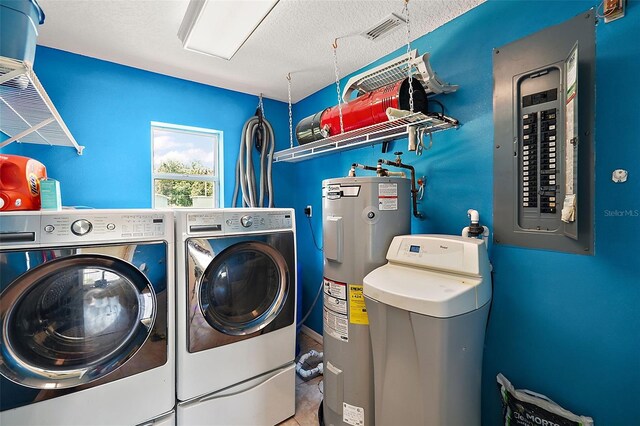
(86,308)
(236,293)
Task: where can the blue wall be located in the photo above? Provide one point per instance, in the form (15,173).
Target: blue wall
(108,109)
(564,325)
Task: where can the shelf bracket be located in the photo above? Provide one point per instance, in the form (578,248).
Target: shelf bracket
(11,75)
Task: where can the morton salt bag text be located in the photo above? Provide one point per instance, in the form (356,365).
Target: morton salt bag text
(522,407)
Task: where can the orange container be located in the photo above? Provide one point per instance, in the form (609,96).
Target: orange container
(20,182)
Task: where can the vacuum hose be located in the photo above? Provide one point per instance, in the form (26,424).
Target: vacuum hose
(245,174)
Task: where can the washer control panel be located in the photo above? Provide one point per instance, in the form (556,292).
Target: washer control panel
(208,222)
(96,226)
(233,221)
(267,220)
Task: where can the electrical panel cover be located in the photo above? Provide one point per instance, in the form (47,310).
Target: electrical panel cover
(543,150)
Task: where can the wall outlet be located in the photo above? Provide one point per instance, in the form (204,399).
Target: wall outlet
(612,10)
(308,212)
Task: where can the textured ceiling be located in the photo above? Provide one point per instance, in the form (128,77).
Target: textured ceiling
(295,37)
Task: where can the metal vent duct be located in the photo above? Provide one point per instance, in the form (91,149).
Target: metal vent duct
(384,27)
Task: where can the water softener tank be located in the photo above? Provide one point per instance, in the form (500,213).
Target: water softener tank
(360,217)
(428,311)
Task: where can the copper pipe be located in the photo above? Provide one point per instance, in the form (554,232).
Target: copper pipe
(414,190)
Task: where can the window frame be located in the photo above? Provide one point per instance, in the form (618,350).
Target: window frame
(218,173)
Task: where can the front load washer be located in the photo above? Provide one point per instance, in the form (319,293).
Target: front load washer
(86,308)
(236,294)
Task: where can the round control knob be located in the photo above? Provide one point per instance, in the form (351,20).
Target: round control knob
(81,227)
(371,215)
(111,226)
(246,221)
(49,229)
(229,222)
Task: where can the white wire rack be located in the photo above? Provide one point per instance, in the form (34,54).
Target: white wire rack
(377,133)
(27,114)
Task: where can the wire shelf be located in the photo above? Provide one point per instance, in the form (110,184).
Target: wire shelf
(371,135)
(27,114)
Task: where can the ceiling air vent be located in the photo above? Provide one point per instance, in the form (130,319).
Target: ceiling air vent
(384,27)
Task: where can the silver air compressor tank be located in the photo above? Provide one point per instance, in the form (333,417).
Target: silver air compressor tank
(360,217)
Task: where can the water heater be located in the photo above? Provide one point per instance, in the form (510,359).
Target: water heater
(360,217)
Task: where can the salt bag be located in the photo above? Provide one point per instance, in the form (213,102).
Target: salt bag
(522,407)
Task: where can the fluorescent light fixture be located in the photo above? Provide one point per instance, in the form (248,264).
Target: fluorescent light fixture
(220,27)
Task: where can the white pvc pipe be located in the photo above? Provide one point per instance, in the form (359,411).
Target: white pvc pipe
(473,215)
(465,232)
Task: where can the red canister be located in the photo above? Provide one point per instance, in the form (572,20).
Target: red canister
(365,110)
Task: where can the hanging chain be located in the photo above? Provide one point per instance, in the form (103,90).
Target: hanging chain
(335,66)
(261,105)
(410,64)
(290,116)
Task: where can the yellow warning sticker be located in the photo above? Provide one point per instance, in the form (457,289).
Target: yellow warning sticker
(357,307)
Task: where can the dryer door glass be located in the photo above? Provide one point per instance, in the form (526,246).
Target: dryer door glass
(74,320)
(244,288)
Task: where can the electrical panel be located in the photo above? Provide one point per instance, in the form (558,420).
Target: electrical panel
(543,151)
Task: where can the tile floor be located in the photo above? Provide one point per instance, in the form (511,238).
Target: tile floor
(308,392)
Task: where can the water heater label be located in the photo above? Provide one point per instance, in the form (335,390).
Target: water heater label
(352,415)
(337,191)
(336,322)
(336,325)
(335,289)
(388,196)
(357,307)
(336,305)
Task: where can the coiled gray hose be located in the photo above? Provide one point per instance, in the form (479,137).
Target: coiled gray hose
(245,174)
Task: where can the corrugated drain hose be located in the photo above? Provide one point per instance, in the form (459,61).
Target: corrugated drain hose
(315,371)
(318,369)
(245,175)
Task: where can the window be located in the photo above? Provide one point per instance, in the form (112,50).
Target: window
(187,166)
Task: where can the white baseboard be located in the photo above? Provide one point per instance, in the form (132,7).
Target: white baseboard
(311,333)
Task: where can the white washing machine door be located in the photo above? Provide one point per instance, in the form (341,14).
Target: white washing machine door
(73,320)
